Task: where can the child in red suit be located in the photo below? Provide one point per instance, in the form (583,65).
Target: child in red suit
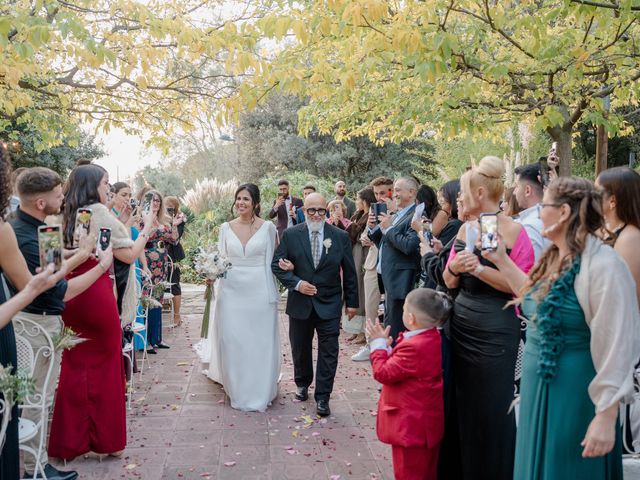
(411,410)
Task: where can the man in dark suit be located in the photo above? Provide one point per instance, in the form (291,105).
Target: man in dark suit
(285,208)
(398,251)
(310,261)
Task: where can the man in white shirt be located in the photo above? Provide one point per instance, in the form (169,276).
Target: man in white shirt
(528,192)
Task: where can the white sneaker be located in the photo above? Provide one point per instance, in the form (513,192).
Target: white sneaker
(362,355)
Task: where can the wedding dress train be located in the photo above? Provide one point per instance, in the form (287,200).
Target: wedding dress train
(243,345)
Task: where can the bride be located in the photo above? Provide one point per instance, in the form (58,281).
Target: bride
(244,351)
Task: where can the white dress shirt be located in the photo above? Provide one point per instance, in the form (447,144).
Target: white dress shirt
(287,204)
(530,220)
(320,241)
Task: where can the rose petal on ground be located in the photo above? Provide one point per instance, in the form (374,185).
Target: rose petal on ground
(229,464)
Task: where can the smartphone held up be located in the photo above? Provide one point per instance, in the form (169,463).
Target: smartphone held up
(489,231)
(83,225)
(50,246)
(104,239)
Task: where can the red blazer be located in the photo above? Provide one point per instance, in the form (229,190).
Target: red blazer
(411,408)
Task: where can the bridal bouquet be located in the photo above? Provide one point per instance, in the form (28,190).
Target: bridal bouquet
(212,265)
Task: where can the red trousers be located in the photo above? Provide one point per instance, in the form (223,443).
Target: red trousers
(415,463)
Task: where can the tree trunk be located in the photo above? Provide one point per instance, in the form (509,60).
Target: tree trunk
(602,147)
(562,136)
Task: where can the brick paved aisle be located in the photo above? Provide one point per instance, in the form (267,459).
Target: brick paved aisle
(181,427)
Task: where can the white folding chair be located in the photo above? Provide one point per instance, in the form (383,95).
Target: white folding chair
(140,330)
(5,411)
(167,299)
(27,360)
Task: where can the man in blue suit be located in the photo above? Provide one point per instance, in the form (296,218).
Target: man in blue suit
(398,251)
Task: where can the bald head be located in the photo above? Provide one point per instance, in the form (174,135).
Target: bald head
(315,200)
(340,188)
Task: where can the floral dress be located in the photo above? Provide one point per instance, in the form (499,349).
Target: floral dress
(158,258)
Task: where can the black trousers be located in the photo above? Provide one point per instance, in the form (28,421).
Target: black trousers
(301,333)
(393,315)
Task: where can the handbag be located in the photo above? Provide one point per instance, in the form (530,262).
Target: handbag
(630,414)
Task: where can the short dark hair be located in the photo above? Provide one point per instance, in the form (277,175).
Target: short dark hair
(283,182)
(83,161)
(530,173)
(15,174)
(429,306)
(376,182)
(33,181)
(309,187)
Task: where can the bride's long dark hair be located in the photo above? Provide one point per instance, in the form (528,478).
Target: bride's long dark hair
(254,193)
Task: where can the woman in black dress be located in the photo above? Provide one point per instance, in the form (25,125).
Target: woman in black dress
(484,334)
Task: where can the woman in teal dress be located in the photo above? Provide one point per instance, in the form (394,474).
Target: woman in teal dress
(582,342)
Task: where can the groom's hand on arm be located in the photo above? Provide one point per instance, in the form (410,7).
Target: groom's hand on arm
(351,312)
(306,288)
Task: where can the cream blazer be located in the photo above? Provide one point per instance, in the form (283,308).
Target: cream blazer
(606,292)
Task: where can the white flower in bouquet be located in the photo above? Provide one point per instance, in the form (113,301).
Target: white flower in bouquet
(211,264)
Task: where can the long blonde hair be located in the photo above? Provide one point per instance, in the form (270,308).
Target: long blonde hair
(585,202)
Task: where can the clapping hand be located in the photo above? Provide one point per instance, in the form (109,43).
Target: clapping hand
(464,262)
(376,330)
(286,265)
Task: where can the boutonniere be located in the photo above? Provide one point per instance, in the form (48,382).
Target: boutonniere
(327,245)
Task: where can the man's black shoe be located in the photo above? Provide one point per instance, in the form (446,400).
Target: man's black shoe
(302,393)
(53,473)
(323,408)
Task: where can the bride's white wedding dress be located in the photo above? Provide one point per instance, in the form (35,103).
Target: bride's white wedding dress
(243,343)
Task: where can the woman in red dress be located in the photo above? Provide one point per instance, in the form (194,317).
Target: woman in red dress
(89,414)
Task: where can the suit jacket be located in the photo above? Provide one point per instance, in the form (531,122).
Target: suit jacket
(400,256)
(327,303)
(411,407)
(283,214)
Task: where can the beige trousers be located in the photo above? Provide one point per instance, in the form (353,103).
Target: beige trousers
(53,325)
(371,294)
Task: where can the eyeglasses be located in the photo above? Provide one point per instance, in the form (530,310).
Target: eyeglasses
(314,211)
(543,205)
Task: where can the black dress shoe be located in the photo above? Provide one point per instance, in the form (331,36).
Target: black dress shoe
(323,408)
(151,351)
(53,473)
(162,345)
(302,393)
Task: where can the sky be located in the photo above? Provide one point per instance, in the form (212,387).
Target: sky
(126,155)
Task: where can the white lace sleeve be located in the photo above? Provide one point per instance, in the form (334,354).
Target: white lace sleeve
(272,235)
